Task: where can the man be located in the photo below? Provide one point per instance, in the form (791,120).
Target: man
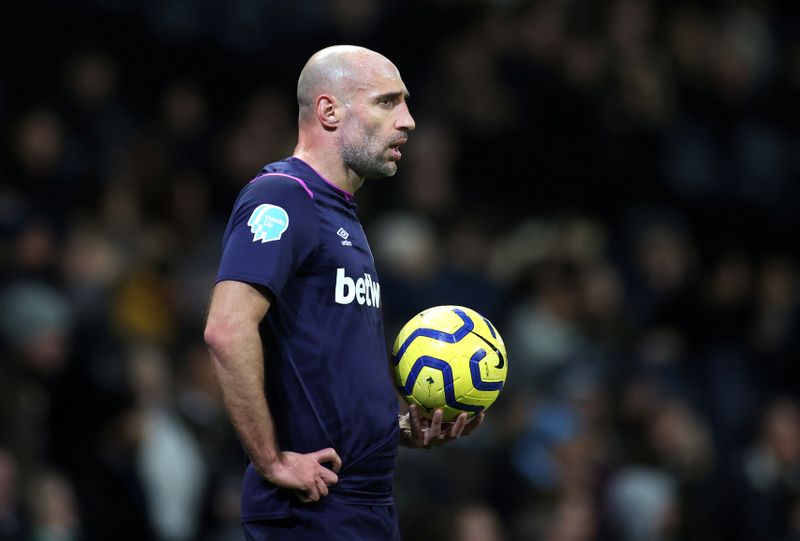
(294,326)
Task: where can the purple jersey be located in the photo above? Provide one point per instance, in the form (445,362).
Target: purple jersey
(326,366)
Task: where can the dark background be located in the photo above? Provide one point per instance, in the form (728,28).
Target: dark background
(614,184)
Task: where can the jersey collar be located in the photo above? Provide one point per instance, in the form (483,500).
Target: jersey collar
(347,195)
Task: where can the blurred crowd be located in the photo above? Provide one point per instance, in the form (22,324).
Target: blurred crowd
(614,184)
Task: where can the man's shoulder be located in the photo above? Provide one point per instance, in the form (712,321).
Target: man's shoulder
(278,179)
(275,193)
(289,168)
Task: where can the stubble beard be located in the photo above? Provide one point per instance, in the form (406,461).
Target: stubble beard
(365,155)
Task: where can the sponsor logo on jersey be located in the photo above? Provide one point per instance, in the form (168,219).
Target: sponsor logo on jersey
(362,290)
(268,223)
(344,234)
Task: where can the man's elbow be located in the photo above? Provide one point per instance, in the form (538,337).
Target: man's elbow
(218,336)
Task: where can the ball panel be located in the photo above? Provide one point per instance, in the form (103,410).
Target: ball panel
(444,318)
(450,414)
(413,331)
(430,387)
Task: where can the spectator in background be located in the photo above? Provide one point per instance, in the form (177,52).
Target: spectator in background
(769,491)
(681,444)
(54,514)
(11,522)
(643,505)
(572,518)
(169,460)
(476,522)
(544,334)
(108,465)
(39,164)
(773,336)
(35,329)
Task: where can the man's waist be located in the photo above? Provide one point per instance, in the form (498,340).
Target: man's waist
(367,478)
(369,482)
(364,489)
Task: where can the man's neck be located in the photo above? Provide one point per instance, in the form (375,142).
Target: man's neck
(333,170)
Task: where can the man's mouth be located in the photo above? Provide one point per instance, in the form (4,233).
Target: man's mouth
(394,149)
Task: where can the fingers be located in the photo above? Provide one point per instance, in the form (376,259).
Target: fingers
(435,429)
(311,494)
(464,425)
(473,423)
(328,477)
(314,491)
(322,488)
(328,455)
(458,427)
(318,488)
(418,431)
(416,428)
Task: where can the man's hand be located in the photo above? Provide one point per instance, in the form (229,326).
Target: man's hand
(304,473)
(417,431)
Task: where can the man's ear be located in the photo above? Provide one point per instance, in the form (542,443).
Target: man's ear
(327,111)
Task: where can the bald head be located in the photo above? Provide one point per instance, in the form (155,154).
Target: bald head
(353,115)
(339,71)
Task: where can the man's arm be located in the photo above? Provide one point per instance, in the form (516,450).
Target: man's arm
(235,344)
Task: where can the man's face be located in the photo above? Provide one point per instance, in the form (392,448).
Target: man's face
(377,122)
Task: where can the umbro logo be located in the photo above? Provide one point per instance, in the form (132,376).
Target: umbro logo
(344,234)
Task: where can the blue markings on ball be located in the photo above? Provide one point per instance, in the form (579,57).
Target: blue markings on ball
(475,372)
(491,328)
(447,375)
(452,338)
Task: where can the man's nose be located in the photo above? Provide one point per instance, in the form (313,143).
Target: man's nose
(405,121)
